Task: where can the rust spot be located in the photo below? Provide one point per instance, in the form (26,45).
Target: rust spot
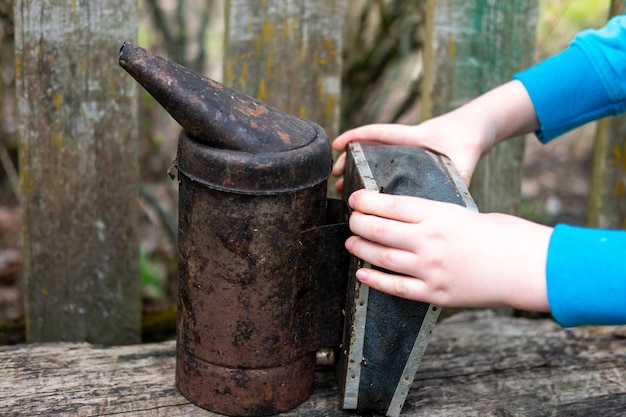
(215,84)
(284,137)
(257,111)
(268,394)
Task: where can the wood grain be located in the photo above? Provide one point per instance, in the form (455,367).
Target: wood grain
(77,125)
(470,48)
(476,364)
(287,53)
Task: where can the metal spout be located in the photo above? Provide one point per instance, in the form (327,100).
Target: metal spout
(211,113)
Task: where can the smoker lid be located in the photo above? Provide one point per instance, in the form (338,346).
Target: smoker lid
(255,174)
(211,113)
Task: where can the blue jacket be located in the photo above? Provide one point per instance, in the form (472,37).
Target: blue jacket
(586,268)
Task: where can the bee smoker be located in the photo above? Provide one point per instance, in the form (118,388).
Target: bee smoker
(264,279)
(252,225)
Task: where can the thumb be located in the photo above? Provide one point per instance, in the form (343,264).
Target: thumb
(376,134)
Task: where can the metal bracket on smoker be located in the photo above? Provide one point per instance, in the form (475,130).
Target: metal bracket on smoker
(385,336)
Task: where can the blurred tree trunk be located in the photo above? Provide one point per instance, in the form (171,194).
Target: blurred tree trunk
(606,206)
(182,26)
(382,70)
(471,47)
(77,126)
(8,146)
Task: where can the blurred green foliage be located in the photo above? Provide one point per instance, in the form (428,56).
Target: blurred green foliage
(152,276)
(560,20)
(533,210)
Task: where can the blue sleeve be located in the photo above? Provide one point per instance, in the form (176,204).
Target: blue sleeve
(585,82)
(586,276)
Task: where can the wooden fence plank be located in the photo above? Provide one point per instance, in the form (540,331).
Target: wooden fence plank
(287,53)
(77,123)
(471,47)
(476,364)
(606,206)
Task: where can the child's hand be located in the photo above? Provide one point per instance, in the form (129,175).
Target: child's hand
(463,135)
(449,255)
(435,134)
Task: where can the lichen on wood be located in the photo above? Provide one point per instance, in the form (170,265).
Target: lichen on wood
(77,124)
(474,46)
(288,54)
(476,364)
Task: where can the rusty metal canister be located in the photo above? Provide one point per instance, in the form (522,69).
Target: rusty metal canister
(252,182)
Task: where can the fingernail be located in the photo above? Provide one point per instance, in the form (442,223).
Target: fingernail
(348,244)
(362,275)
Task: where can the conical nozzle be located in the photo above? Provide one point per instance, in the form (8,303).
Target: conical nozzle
(212,113)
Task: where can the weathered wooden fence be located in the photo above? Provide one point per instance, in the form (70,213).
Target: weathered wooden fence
(474,46)
(78,122)
(288,54)
(607,192)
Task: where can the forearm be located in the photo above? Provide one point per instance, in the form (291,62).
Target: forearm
(499,114)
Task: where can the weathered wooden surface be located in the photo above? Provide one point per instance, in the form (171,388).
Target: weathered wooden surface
(476,365)
(471,47)
(287,53)
(77,124)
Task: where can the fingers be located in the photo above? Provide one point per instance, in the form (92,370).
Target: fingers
(390,258)
(401,208)
(390,134)
(375,134)
(398,285)
(339,184)
(340,166)
(337,171)
(386,232)
(371,134)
